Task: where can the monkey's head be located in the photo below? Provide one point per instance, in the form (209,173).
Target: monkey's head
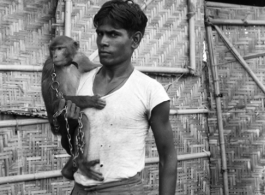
(62,50)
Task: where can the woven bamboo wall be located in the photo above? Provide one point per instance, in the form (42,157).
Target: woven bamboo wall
(26,29)
(242,104)
(31,149)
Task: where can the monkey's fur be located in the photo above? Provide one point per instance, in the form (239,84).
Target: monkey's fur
(68,64)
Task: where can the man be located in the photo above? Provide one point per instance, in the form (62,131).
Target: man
(134,102)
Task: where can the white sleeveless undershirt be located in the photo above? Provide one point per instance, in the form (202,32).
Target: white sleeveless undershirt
(118,132)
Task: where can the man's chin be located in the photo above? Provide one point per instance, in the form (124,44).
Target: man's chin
(105,62)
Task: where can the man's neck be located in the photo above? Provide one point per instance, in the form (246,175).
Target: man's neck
(110,79)
(113,72)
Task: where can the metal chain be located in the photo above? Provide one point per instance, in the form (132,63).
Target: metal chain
(79,138)
(80,134)
(55,85)
(69,136)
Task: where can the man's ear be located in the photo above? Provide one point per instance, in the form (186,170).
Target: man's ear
(136,39)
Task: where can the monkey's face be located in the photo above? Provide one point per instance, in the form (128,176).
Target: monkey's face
(62,50)
(60,55)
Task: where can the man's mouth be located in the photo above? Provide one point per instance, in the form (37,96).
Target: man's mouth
(104,53)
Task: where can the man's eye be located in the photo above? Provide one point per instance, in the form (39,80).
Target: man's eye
(113,34)
(99,33)
(59,48)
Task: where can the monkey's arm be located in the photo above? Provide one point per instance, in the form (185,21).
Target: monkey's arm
(87,101)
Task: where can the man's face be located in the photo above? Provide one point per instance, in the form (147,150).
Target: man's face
(114,45)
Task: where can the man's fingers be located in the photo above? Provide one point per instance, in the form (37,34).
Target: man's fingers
(86,168)
(96,176)
(93,174)
(92,163)
(61,104)
(72,110)
(77,112)
(68,105)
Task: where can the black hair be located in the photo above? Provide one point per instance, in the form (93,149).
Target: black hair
(123,14)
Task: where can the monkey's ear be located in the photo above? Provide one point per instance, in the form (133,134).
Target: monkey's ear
(136,39)
(77,45)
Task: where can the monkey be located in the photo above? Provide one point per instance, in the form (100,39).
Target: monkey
(67,63)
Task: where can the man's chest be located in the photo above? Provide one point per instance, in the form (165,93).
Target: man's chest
(103,86)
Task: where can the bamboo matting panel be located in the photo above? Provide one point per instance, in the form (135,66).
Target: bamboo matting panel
(189,133)
(242,104)
(29,149)
(34,149)
(26,27)
(185,91)
(52,186)
(25,31)
(21,92)
(166,40)
(192,178)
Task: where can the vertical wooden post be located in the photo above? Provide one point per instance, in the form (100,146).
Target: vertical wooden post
(67,19)
(217,97)
(192,56)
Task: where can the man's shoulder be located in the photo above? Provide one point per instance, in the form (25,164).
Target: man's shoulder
(143,76)
(88,76)
(90,73)
(144,79)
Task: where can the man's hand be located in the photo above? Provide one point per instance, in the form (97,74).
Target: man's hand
(72,111)
(86,169)
(72,114)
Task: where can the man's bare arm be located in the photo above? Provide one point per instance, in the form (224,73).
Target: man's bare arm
(161,128)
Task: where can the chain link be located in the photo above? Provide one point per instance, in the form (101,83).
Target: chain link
(69,137)
(79,138)
(55,85)
(80,134)
(59,112)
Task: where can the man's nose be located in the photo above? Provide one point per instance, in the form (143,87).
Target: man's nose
(104,41)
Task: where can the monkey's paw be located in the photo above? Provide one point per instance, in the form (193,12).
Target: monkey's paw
(97,102)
